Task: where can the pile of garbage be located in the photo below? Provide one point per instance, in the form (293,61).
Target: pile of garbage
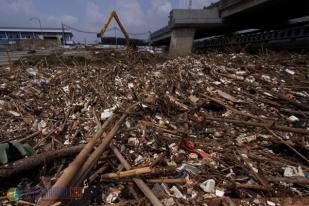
(211,129)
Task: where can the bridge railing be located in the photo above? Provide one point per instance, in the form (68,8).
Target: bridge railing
(160,31)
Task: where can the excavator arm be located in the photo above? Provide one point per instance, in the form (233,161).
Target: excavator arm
(114,15)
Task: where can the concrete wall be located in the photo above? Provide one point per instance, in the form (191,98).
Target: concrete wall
(194,17)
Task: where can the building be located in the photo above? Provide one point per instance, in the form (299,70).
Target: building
(13,35)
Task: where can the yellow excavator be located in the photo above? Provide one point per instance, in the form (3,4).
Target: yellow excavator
(114,15)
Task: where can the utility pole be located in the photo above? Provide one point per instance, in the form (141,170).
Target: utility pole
(190,4)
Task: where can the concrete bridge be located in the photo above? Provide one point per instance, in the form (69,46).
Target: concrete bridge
(223,17)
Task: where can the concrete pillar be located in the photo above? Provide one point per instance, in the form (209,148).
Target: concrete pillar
(181,41)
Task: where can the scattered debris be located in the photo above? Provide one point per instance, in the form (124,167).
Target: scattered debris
(291,171)
(205,129)
(208,185)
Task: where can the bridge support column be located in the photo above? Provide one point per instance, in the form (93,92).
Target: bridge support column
(181,41)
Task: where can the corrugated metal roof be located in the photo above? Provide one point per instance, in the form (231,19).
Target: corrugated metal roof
(28,29)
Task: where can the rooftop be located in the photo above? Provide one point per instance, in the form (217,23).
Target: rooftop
(33,29)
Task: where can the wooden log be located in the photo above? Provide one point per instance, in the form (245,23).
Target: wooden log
(294,180)
(252,187)
(37,160)
(20,139)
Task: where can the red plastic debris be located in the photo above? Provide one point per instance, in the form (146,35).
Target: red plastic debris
(187,145)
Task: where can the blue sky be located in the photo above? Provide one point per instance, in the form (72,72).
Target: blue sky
(136,15)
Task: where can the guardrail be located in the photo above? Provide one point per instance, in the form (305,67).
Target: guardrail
(256,37)
(8,57)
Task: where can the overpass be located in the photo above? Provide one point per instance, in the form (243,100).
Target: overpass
(225,16)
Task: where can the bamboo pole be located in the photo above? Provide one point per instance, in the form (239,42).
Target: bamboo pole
(233,109)
(150,181)
(284,201)
(70,172)
(167,181)
(93,158)
(139,182)
(253,173)
(286,144)
(256,124)
(139,171)
(128,173)
(97,173)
